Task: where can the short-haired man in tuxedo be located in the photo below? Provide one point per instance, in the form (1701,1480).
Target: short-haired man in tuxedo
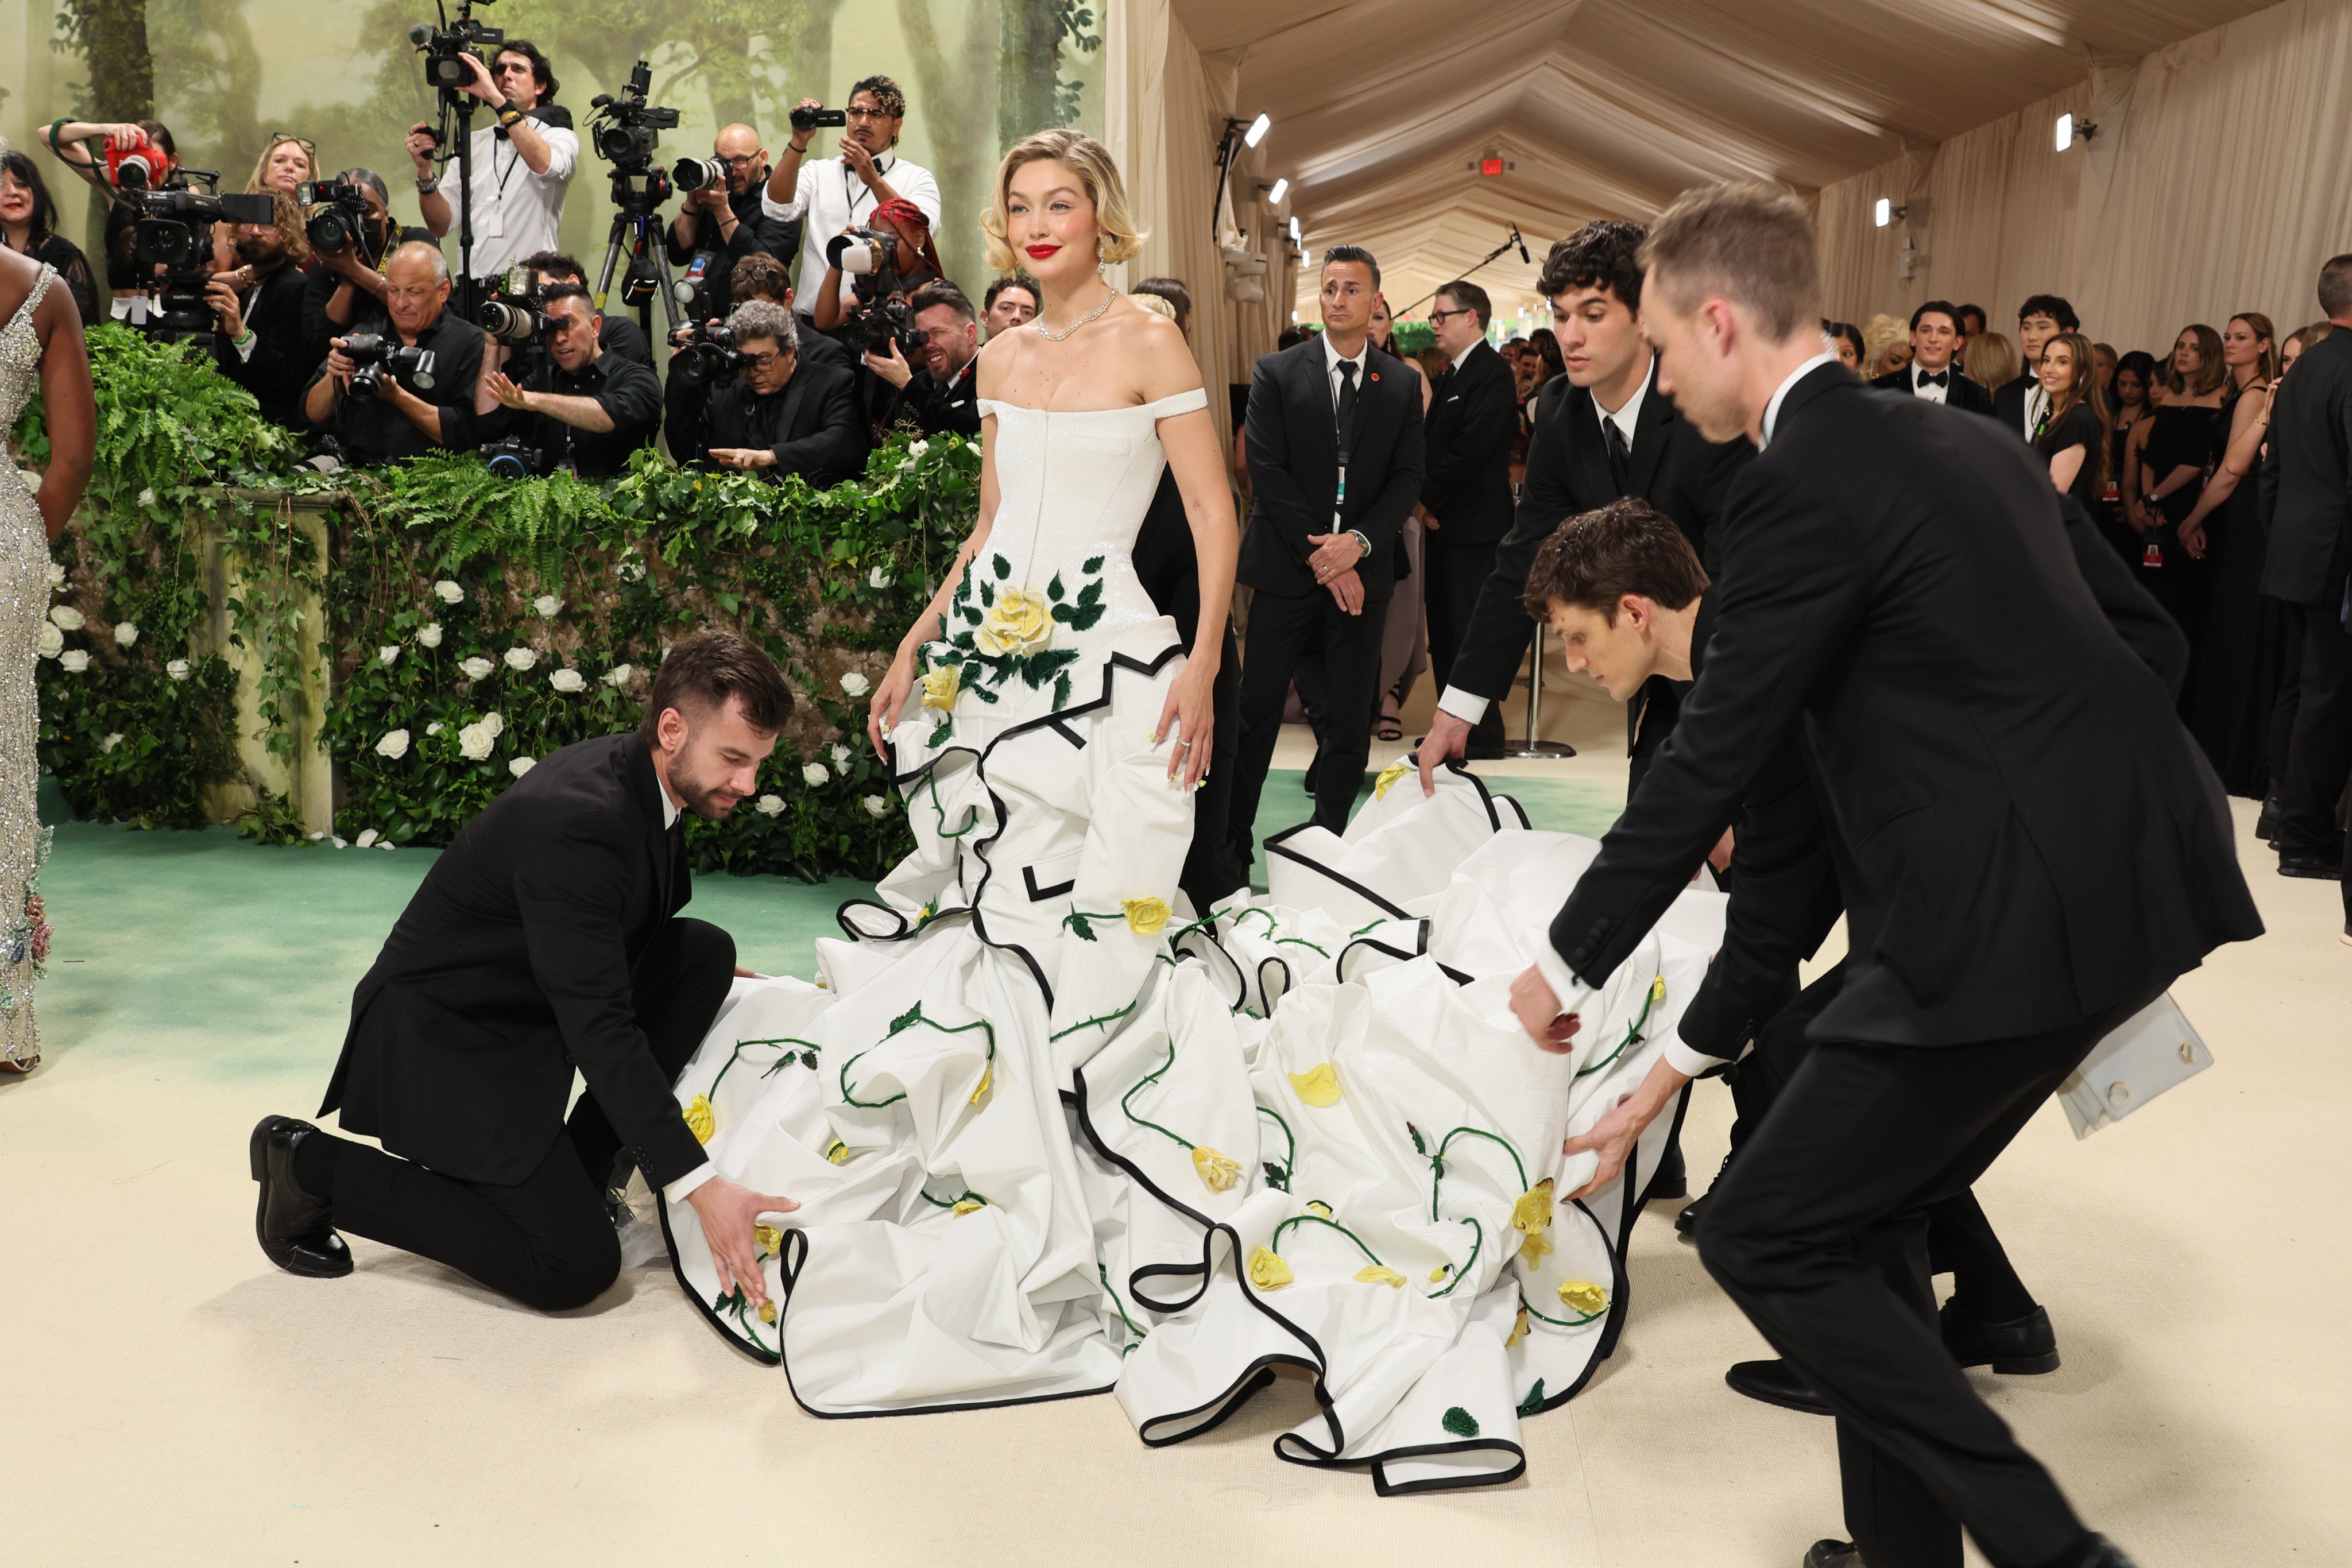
(2304,491)
(1934,373)
(1335,459)
(545,940)
(2029,847)
(938,391)
(2020,404)
(1466,496)
(779,416)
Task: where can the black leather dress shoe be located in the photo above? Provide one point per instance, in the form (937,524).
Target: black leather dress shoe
(1833,1554)
(1776,1383)
(2266,822)
(1686,1222)
(2319,868)
(1671,1181)
(297,1232)
(1314,769)
(2022,1347)
(2106,1553)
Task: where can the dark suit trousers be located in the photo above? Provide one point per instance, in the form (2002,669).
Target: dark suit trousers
(1819,1231)
(547,1241)
(1281,629)
(2319,750)
(1452,574)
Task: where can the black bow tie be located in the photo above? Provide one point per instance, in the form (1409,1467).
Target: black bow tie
(1940,379)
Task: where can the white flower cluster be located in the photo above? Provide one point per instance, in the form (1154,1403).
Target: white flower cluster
(854,685)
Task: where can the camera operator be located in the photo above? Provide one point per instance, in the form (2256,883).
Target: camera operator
(726,222)
(65,140)
(837,195)
(585,409)
(914,261)
(618,335)
(938,394)
(778,417)
(522,165)
(399,421)
(346,283)
(258,305)
(1010,301)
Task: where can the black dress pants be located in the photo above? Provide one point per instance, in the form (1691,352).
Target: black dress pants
(1281,628)
(1819,1232)
(2319,750)
(548,1240)
(1452,574)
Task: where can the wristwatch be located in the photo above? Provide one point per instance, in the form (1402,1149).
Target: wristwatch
(427,184)
(1358,535)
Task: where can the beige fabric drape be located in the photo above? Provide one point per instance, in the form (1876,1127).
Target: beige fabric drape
(2220,178)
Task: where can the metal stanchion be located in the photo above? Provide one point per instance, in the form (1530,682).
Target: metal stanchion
(1533,747)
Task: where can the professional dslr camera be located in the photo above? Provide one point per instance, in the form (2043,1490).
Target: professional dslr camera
(377,355)
(512,459)
(516,312)
(342,219)
(445,48)
(174,232)
(701,355)
(627,128)
(880,270)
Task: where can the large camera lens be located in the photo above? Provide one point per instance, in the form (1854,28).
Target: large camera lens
(694,174)
(861,251)
(511,323)
(329,230)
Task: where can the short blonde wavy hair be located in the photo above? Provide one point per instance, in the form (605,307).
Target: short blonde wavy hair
(1092,163)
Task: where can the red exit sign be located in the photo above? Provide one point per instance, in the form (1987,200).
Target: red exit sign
(1490,165)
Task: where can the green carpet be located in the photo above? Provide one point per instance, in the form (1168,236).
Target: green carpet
(235,959)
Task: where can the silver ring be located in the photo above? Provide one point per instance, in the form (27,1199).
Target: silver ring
(1184,746)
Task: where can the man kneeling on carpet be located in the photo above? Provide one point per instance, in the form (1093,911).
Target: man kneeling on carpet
(546,937)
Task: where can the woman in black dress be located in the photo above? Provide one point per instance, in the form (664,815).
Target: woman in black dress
(28,224)
(2133,406)
(2173,461)
(2072,433)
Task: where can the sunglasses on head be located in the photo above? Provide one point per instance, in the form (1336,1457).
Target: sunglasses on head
(278,137)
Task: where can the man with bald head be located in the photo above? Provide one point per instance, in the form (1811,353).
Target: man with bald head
(400,416)
(724,223)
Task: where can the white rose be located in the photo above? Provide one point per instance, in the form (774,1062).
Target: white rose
(111,742)
(432,728)
(52,642)
(177,669)
(878,578)
(429,634)
(841,759)
(66,618)
(387,655)
(769,805)
(75,660)
(147,497)
(449,591)
(917,448)
(855,684)
(815,775)
(495,723)
(633,569)
(568,681)
(57,575)
(125,633)
(547,604)
(520,765)
(520,658)
(341,843)
(393,745)
(876,806)
(476,668)
(474,743)
(618,675)
(366,839)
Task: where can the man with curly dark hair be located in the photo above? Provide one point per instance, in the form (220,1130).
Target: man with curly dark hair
(840,194)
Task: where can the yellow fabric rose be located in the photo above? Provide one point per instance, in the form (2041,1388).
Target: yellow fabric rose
(1320,1209)
(1440,1272)
(1267,1271)
(1518,1329)
(1318,1085)
(767,1310)
(1657,990)
(1533,1211)
(1583,1297)
(940,687)
(1146,916)
(838,1152)
(768,1238)
(986,1079)
(964,1205)
(1388,774)
(1534,1248)
(1016,623)
(1380,1275)
(1218,1174)
(700,1119)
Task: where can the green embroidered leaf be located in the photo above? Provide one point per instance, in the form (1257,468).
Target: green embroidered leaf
(939,732)
(1419,1147)
(1062,689)
(1277,1176)
(1085,931)
(1460,1422)
(1093,564)
(1003,567)
(1084,620)
(973,615)
(910,1015)
(1062,613)
(988,594)
(1090,594)
(1053,589)
(1533,1404)
(983,692)
(808,1059)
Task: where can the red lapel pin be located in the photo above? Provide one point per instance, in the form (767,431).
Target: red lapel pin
(1376,375)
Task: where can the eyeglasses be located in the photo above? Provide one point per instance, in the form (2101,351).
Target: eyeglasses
(739,160)
(763,362)
(1437,316)
(277,137)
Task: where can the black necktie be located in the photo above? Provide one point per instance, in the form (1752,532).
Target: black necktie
(1620,458)
(1347,406)
(1940,379)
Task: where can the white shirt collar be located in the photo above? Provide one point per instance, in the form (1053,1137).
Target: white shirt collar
(1627,419)
(1772,409)
(669,806)
(1332,362)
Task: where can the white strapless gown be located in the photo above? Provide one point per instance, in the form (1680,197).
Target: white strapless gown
(1053,1133)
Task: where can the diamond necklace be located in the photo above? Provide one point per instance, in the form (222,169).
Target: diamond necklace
(1053,336)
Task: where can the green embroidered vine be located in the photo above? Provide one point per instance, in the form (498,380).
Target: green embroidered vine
(1279,1175)
(1655,994)
(900,1025)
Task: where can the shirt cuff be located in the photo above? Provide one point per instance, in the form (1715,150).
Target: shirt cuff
(1572,994)
(246,345)
(1467,707)
(1688,1060)
(783,211)
(677,1191)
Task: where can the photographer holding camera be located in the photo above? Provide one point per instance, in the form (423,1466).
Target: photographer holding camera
(618,335)
(348,236)
(522,165)
(938,394)
(835,195)
(77,143)
(384,391)
(723,218)
(760,408)
(585,409)
(258,307)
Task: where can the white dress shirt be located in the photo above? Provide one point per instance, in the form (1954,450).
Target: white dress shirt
(2037,403)
(516,212)
(829,198)
(675,1191)
(1331,363)
(1921,387)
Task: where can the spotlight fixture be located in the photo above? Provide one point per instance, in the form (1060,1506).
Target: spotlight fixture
(1885,212)
(1257,133)
(2070,131)
(1294,230)
(1281,189)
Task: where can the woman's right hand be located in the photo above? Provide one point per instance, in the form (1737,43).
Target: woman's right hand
(888,698)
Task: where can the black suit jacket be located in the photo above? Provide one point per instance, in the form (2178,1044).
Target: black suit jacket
(2008,405)
(1671,465)
(512,967)
(2024,833)
(1474,412)
(279,369)
(815,426)
(1294,460)
(2307,483)
(1962,392)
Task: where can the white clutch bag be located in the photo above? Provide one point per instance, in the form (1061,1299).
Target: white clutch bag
(2154,1050)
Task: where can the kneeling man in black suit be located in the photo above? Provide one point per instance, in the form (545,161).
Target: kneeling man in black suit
(544,938)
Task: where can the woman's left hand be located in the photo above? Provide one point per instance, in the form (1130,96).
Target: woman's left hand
(1187,723)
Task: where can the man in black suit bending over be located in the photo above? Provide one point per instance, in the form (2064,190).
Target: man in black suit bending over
(1933,373)
(1335,452)
(1466,496)
(2028,846)
(544,938)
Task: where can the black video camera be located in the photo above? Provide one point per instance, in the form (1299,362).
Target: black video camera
(377,354)
(174,233)
(512,459)
(342,218)
(705,356)
(809,119)
(887,320)
(445,46)
(628,129)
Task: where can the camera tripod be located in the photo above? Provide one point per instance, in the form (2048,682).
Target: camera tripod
(635,230)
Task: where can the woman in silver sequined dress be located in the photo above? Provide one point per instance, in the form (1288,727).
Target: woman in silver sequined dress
(40,348)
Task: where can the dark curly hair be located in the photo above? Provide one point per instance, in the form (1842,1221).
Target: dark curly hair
(1594,559)
(1600,254)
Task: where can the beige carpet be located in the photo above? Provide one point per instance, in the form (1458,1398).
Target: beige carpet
(168,1397)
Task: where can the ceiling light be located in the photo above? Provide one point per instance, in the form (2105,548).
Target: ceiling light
(1281,189)
(1257,132)
(1294,230)
(1883,213)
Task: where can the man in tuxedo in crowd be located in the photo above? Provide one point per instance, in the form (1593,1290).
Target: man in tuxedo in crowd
(779,416)
(2028,846)
(2020,404)
(2304,490)
(1933,373)
(1335,460)
(939,391)
(545,937)
(1465,495)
